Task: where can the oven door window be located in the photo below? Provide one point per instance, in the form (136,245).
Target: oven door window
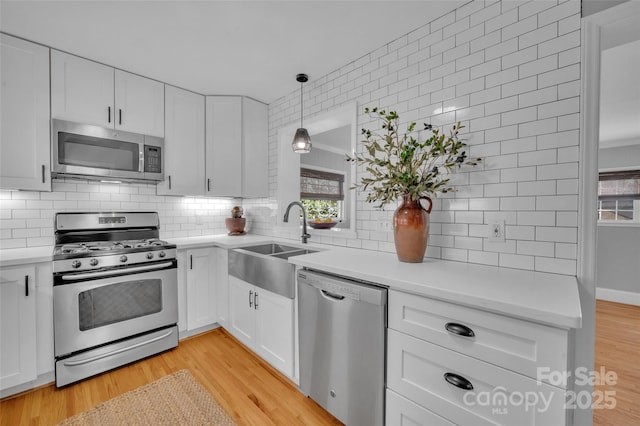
(119,302)
(85,151)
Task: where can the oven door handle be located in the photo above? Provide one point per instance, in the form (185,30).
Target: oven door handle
(116,272)
(116,352)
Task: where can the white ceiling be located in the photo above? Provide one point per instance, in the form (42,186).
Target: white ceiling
(252,48)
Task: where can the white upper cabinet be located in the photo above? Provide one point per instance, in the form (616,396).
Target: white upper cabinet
(237,147)
(224,145)
(255,149)
(87,92)
(24,115)
(139,104)
(184,143)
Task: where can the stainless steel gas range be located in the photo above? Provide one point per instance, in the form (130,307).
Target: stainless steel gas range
(115,296)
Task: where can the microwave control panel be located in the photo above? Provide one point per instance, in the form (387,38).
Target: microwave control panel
(152,159)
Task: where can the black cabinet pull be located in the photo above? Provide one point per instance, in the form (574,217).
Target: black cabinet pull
(43,180)
(458,381)
(208,184)
(190,261)
(255,300)
(250,298)
(119,116)
(459,329)
(169,182)
(109,114)
(26,285)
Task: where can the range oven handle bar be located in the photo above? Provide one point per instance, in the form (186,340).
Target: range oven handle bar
(117,271)
(117,351)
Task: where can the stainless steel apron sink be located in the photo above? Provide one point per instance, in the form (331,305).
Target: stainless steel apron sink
(266,266)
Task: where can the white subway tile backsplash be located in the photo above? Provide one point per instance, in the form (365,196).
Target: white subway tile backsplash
(536,248)
(556,266)
(517,261)
(557,203)
(468,243)
(558,171)
(559,76)
(538,97)
(563,10)
(536,218)
(563,107)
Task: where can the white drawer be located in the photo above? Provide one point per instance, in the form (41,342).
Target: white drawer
(416,369)
(510,343)
(402,412)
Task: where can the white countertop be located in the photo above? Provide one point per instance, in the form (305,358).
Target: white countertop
(535,296)
(21,256)
(221,240)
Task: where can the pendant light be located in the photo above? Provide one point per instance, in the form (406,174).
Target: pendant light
(301,141)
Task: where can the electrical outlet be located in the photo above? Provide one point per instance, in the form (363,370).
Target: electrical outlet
(385,225)
(496,231)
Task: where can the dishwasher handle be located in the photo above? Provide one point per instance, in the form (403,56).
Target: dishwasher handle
(340,288)
(330,295)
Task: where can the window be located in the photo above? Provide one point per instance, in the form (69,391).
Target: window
(619,196)
(322,193)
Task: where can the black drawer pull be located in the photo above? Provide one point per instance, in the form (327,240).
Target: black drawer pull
(459,329)
(458,381)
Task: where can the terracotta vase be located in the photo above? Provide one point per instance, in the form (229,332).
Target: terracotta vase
(411,229)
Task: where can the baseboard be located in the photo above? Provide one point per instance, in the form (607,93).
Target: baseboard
(619,296)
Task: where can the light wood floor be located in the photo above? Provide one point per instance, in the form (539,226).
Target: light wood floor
(253,393)
(618,350)
(250,391)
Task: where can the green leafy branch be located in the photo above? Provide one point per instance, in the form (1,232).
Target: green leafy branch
(398,163)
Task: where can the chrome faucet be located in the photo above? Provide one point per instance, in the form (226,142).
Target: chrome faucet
(304,235)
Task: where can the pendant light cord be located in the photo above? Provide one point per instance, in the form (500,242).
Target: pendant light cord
(301,105)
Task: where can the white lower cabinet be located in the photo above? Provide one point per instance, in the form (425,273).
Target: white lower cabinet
(200,288)
(450,364)
(18,351)
(263,321)
(402,412)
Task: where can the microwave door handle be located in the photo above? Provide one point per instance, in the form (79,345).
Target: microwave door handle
(141,161)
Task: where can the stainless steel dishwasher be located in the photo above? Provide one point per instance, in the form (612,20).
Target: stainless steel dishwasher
(342,334)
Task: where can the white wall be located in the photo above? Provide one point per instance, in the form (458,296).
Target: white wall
(619,157)
(511,70)
(618,261)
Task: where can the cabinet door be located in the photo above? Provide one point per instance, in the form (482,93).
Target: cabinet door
(183,144)
(224,146)
(201,288)
(18,363)
(401,411)
(81,90)
(255,149)
(242,315)
(139,104)
(222,280)
(274,330)
(24,115)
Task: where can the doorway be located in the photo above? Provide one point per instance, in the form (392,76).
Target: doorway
(615,328)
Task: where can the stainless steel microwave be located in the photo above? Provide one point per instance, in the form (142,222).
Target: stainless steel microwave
(93,152)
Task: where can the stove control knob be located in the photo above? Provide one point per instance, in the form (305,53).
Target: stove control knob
(93,262)
(76,264)
(149,256)
(123,258)
(162,254)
